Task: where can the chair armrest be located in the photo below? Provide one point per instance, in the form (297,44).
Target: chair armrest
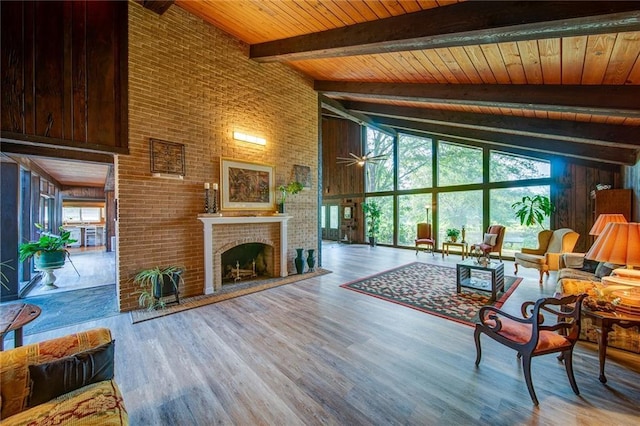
(553,261)
(536,251)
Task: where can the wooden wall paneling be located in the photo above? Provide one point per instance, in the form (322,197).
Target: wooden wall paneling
(11,67)
(340,137)
(613,201)
(49,70)
(101,40)
(79,71)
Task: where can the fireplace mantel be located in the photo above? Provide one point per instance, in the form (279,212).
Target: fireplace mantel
(211,220)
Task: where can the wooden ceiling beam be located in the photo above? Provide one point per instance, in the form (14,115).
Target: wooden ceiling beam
(460,24)
(621,101)
(599,153)
(613,135)
(337,108)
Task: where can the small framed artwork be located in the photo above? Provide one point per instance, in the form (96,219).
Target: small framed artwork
(246,185)
(302,174)
(167,157)
(347,213)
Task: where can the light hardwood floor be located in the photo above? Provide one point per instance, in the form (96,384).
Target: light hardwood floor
(314,353)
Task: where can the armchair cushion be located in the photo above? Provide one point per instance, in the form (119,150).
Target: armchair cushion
(490,239)
(522,333)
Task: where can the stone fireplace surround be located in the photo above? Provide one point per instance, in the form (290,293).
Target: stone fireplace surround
(224,232)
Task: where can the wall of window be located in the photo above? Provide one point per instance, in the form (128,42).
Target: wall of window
(472,186)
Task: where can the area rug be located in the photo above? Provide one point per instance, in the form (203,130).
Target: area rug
(431,289)
(72,307)
(228,292)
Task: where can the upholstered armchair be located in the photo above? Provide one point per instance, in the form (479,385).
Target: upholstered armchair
(424,237)
(492,242)
(549,325)
(551,246)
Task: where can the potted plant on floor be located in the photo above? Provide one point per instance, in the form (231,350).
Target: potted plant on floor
(49,252)
(453,234)
(157,283)
(372,213)
(290,188)
(533,210)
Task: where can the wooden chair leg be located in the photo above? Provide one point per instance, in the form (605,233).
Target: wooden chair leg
(568,365)
(526,367)
(541,275)
(516,265)
(476,337)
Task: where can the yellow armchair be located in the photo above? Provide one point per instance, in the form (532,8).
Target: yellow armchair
(547,256)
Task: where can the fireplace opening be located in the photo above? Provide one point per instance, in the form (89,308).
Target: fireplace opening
(247,262)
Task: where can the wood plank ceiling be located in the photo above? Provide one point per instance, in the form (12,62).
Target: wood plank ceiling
(559,77)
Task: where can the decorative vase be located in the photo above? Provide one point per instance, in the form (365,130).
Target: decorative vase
(280,207)
(311,261)
(299,261)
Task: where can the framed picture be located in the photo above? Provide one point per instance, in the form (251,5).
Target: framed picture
(302,174)
(347,213)
(246,186)
(166,157)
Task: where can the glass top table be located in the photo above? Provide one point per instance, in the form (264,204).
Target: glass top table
(465,278)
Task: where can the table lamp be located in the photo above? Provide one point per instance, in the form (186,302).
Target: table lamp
(602,221)
(618,243)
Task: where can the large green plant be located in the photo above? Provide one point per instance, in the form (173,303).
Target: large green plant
(46,243)
(533,210)
(372,212)
(151,282)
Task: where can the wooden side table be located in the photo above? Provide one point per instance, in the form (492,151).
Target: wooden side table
(464,248)
(604,321)
(13,317)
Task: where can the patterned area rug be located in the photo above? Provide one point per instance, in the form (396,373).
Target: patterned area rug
(431,289)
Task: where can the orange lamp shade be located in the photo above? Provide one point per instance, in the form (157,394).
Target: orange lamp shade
(605,218)
(618,243)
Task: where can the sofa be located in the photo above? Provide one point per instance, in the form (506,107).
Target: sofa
(67,380)
(579,275)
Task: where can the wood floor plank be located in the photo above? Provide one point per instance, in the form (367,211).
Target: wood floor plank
(313,353)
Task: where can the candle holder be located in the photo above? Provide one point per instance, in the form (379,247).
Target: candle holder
(214,206)
(206,201)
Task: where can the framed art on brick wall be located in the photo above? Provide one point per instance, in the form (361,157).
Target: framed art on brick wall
(166,157)
(246,185)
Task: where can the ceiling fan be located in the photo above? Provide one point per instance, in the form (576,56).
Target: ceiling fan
(361,160)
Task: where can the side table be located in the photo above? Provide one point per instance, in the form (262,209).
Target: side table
(464,248)
(603,322)
(13,317)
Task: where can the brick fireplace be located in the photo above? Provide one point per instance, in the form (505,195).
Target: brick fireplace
(224,232)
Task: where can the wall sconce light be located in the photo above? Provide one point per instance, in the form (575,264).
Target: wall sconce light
(249,138)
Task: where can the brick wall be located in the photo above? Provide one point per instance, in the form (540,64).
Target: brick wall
(193,84)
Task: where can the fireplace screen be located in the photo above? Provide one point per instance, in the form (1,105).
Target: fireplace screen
(251,261)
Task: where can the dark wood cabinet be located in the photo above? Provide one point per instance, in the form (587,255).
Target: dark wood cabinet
(613,201)
(64,73)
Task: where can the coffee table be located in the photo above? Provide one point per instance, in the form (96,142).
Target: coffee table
(13,317)
(464,277)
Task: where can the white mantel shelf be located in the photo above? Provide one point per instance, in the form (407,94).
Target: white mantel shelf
(209,220)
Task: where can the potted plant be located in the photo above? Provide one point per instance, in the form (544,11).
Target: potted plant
(453,234)
(372,214)
(49,252)
(533,210)
(157,283)
(291,188)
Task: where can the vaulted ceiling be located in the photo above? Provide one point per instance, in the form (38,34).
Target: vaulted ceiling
(559,77)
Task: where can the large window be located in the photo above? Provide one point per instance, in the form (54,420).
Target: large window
(509,167)
(458,209)
(379,174)
(415,159)
(458,164)
(516,235)
(412,209)
(385,234)
(75,212)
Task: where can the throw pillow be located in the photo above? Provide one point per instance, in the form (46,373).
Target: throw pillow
(490,239)
(604,269)
(52,379)
(589,265)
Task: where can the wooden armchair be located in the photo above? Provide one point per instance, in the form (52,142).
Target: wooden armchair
(495,246)
(551,246)
(548,325)
(424,237)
